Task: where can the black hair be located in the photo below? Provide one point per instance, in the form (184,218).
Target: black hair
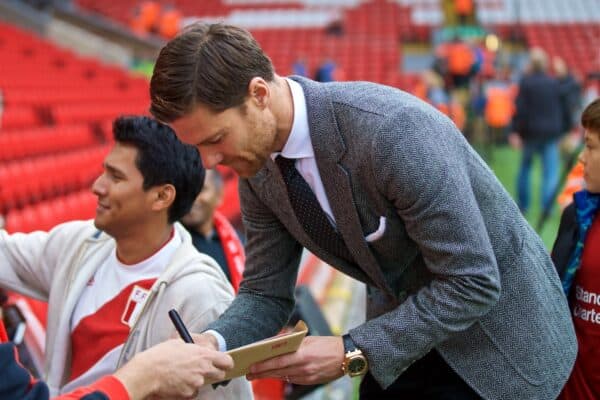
(163,159)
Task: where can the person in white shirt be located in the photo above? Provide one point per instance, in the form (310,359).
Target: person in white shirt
(110,282)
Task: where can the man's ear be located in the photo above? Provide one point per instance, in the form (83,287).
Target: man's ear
(163,197)
(259,91)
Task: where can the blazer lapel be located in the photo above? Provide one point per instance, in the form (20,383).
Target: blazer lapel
(329,148)
(269,180)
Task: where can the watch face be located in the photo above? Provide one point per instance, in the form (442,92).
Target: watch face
(356,365)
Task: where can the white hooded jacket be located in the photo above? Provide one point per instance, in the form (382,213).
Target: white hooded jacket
(55,267)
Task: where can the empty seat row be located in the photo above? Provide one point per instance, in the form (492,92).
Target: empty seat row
(31,180)
(66,114)
(48,97)
(47,214)
(572,42)
(38,141)
(53,103)
(18,117)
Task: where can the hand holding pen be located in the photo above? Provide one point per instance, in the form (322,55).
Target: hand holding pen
(185,335)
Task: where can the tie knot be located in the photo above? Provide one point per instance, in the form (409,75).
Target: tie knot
(285,164)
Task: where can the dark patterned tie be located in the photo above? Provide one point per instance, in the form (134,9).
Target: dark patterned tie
(309,212)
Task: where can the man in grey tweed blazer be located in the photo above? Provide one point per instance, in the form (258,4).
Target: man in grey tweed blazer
(459,285)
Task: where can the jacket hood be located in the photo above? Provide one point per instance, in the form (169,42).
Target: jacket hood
(186,260)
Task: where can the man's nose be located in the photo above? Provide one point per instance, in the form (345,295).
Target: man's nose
(97,186)
(210,159)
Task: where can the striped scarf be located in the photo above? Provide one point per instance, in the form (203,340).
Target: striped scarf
(586,206)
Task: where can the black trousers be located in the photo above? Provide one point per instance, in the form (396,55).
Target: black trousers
(429,378)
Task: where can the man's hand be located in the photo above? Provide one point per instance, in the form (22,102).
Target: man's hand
(206,339)
(173,370)
(318,360)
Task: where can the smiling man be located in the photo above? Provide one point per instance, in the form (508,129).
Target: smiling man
(110,282)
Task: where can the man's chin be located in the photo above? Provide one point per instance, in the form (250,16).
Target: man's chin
(98,224)
(246,171)
(246,167)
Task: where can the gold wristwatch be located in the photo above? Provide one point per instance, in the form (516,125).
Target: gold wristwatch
(355,363)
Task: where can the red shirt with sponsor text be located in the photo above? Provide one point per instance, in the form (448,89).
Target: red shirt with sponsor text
(584,382)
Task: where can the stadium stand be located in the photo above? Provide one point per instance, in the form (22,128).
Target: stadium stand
(367,47)
(58,107)
(50,148)
(566,29)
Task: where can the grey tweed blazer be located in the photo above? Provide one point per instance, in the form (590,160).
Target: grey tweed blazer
(453,265)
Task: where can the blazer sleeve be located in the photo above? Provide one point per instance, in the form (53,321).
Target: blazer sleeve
(266,296)
(423,165)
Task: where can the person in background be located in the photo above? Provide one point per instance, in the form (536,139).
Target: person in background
(571,93)
(538,125)
(212,233)
(499,107)
(463,299)
(460,61)
(576,254)
(110,282)
(329,71)
(464,11)
(146,18)
(299,67)
(169,22)
(574,182)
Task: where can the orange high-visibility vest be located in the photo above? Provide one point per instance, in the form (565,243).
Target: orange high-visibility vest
(460,58)
(574,183)
(150,12)
(463,7)
(169,23)
(455,112)
(499,108)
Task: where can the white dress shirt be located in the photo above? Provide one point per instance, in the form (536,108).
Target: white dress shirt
(298,147)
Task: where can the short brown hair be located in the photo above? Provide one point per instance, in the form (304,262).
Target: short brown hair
(208,64)
(590,118)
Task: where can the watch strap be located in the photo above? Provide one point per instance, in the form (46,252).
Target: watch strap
(348,343)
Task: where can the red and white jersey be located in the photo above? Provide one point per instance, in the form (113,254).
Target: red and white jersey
(107,309)
(584,382)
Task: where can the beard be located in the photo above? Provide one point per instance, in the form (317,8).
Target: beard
(261,142)
(248,167)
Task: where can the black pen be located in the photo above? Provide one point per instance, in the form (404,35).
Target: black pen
(183,332)
(185,335)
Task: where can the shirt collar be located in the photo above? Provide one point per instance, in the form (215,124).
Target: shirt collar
(298,144)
